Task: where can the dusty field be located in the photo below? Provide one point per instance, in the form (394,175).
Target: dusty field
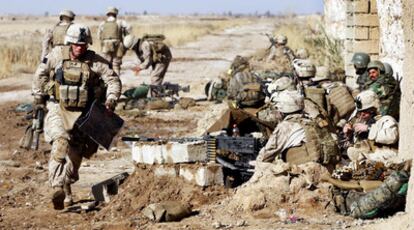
(23,174)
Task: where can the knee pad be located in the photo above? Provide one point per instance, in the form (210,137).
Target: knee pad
(60,149)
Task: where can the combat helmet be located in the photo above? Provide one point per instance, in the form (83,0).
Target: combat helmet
(239,63)
(130,41)
(78,34)
(304,68)
(366,100)
(289,101)
(281,39)
(282,83)
(376,65)
(360,60)
(388,69)
(112,10)
(302,53)
(322,73)
(67,13)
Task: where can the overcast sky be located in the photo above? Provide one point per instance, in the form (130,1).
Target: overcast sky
(39,7)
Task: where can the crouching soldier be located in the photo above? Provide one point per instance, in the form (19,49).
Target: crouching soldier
(374,137)
(151,51)
(298,139)
(70,78)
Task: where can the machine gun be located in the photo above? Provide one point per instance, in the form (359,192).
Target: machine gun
(233,153)
(168,89)
(31,137)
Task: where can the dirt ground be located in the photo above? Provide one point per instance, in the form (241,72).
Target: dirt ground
(24,190)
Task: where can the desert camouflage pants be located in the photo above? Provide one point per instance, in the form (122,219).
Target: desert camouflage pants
(115,61)
(65,159)
(158,72)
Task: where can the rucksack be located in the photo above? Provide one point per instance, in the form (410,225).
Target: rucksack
(157,45)
(246,89)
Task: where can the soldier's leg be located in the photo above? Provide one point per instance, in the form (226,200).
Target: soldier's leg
(158,73)
(74,160)
(108,56)
(57,135)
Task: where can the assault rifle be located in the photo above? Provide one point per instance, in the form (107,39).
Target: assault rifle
(168,89)
(233,153)
(31,137)
(271,40)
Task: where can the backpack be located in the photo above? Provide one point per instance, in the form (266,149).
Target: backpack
(157,45)
(246,89)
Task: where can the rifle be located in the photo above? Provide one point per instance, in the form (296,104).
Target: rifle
(233,153)
(31,137)
(168,89)
(271,39)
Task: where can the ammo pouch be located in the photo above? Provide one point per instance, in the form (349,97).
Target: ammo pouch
(73,96)
(71,85)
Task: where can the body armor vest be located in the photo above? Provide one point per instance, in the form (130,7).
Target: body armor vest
(245,88)
(73,87)
(110,30)
(319,146)
(59,33)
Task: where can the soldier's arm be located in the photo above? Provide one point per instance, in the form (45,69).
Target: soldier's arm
(384,131)
(46,44)
(109,77)
(127,28)
(146,55)
(276,143)
(42,74)
(100,28)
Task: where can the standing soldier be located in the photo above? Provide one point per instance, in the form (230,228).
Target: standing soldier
(110,33)
(151,51)
(360,61)
(70,77)
(385,86)
(56,36)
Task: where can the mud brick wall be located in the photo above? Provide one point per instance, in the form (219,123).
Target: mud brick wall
(362,33)
(406,144)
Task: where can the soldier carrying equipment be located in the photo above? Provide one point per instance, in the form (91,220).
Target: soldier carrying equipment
(31,137)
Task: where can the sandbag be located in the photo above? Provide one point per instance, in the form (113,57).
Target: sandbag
(167,211)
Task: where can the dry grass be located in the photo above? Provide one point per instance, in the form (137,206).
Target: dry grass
(18,56)
(20,40)
(309,33)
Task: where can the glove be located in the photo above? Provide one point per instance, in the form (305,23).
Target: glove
(110,104)
(136,70)
(39,101)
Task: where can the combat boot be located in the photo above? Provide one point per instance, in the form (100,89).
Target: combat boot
(58,197)
(68,195)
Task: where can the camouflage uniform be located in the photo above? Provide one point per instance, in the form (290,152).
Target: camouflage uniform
(111,33)
(282,56)
(145,53)
(385,87)
(67,153)
(54,37)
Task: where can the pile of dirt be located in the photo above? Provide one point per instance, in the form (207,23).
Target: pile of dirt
(143,188)
(279,185)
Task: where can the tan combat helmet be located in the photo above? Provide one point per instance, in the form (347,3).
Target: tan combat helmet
(304,68)
(289,101)
(322,73)
(366,100)
(281,39)
(130,41)
(78,34)
(112,10)
(302,53)
(67,13)
(283,83)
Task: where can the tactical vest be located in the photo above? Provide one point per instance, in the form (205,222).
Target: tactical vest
(317,95)
(245,88)
(342,101)
(72,84)
(157,45)
(59,33)
(110,30)
(319,146)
